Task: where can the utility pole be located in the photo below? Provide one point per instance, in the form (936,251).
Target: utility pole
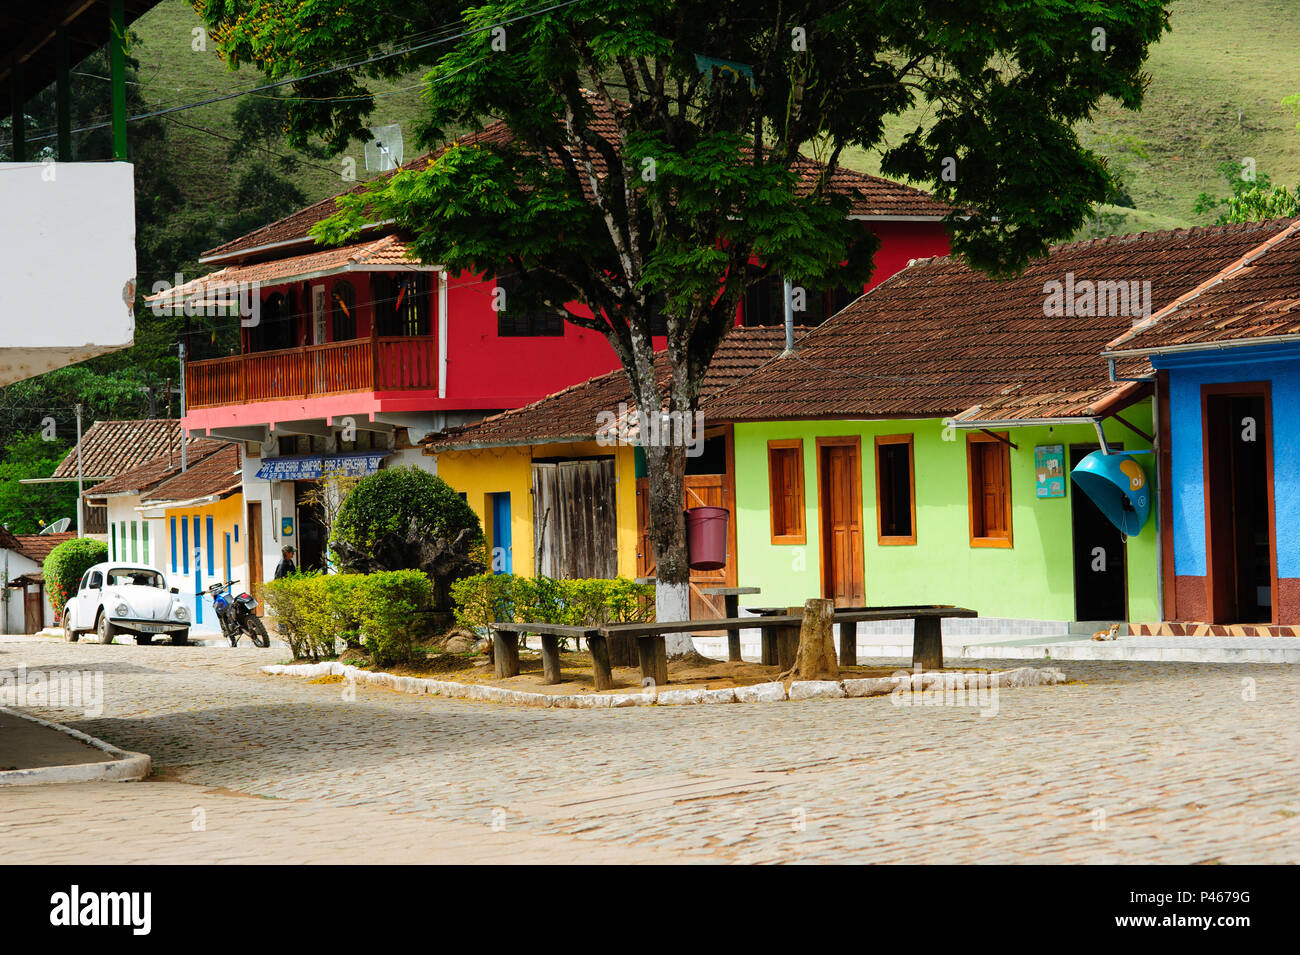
(81,474)
(182,391)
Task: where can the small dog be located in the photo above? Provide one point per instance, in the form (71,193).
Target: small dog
(1109,634)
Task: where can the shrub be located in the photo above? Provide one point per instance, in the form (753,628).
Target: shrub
(394,613)
(484,598)
(315,610)
(64,566)
(406,518)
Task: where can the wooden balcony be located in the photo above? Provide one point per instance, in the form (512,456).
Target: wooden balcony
(314,371)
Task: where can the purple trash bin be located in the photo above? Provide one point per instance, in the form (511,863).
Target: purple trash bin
(706,537)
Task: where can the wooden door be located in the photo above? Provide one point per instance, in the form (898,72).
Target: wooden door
(575,521)
(33,605)
(839,481)
(253,534)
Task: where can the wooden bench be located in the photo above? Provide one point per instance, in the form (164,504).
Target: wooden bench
(780,640)
(731,608)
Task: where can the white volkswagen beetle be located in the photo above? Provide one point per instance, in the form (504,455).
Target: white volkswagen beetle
(125,599)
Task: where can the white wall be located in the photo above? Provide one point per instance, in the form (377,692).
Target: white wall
(67,275)
(13,614)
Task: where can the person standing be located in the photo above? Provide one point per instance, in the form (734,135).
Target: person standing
(286,565)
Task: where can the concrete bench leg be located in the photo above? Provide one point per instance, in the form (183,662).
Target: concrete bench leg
(505,653)
(787,647)
(550,658)
(654,659)
(927,643)
(848,644)
(604,679)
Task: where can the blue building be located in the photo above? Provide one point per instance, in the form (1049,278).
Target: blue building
(1225,359)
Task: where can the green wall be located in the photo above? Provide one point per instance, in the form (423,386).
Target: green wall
(1034,579)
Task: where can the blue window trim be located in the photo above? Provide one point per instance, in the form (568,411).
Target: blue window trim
(173,535)
(212,551)
(185,547)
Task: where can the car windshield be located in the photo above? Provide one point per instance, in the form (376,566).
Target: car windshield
(135,578)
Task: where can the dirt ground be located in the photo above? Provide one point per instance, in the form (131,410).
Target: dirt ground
(575,668)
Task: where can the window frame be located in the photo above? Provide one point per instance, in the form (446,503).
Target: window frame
(889,440)
(799,534)
(1003,440)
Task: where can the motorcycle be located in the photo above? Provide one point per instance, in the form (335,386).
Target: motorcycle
(237,615)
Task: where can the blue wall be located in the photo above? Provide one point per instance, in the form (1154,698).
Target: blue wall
(1278,364)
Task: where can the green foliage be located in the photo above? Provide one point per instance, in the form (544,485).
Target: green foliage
(483,598)
(406,518)
(64,566)
(394,611)
(315,610)
(1254,197)
(27,508)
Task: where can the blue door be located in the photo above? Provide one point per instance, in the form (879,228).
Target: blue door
(502,561)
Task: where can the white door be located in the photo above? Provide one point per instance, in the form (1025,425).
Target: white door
(88,599)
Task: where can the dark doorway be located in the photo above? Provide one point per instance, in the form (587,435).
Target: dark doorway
(1238,501)
(310,530)
(1100,574)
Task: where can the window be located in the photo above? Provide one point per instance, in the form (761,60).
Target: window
(764,301)
(516,321)
(275,327)
(785,490)
(344,301)
(301,444)
(988,470)
(895,490)
(401,304)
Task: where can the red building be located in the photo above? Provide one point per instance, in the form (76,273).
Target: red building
(354,353)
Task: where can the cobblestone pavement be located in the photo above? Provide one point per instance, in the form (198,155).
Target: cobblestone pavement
(1130,762)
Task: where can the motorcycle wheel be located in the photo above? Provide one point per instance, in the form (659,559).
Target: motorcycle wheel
(232,633)
(253,627)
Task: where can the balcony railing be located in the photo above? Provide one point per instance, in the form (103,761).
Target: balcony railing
(313,371)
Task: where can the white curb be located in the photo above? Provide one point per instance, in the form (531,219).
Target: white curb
(123,766)
(757,693)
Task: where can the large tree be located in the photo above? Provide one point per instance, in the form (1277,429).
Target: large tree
(651,146)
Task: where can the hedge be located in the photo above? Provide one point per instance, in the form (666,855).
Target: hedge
(483,598)
(65,565)
(385,611)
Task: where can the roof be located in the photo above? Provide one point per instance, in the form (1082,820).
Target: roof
(386,252)
(110,447)
(1253,299)
(34,546)
(216,475)
(939,338)
(570,414)
(153,472)
(877,197)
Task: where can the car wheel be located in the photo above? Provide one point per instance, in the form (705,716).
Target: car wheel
(106,630)
(72,636)
(181,638)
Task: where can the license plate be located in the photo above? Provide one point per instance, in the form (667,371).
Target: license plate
(152,628)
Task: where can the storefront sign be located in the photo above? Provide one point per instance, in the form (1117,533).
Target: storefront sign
(1049,470)
(313,467)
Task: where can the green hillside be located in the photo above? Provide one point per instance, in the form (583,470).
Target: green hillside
(1220,57)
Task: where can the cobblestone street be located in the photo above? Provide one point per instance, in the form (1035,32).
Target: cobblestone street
(1129,762)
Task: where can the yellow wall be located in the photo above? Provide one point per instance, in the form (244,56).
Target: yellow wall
(509,470)
(225,514)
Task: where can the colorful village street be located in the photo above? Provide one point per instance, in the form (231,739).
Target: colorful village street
(1127,763)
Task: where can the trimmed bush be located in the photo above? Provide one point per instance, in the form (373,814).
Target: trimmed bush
(483,598)
(394,613)
(316,610)
(64,566)
(408,519)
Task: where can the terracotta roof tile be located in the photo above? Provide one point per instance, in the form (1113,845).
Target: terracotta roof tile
(875,197)
(1256,297)
(156,470)
(570,414)
(938,337)
(38,546)
(110,447)
(218,473)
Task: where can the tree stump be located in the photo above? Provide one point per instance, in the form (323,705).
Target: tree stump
(815,657)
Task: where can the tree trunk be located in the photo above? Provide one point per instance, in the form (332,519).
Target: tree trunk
(815,658)
(666,470)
